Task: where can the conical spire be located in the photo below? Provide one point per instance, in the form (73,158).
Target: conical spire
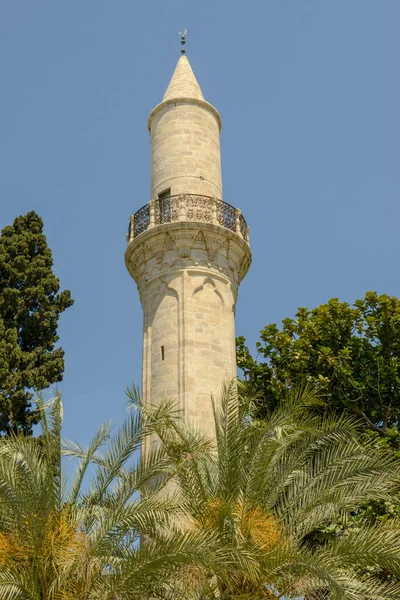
(183,83)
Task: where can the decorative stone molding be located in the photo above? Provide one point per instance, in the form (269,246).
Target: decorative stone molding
(182,101)
(181,245)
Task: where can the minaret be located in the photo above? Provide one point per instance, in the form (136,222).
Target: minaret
(188,251)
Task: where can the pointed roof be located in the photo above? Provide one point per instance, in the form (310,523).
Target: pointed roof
(183,83)
(183,86)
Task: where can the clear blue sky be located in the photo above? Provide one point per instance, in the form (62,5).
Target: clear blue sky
(308,91)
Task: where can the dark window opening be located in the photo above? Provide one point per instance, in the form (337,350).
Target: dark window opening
(162,353)
(164,194)
(163,207)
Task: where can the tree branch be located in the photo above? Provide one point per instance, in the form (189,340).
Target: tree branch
(361,413)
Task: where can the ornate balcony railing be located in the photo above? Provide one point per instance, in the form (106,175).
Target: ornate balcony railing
(141,221)
(188,207)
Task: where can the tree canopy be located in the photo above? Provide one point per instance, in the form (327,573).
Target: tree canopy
(262,489)
(226,518)
(350,353)
(30,306)
(80,540)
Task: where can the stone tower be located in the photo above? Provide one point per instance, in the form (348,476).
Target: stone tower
(188,251)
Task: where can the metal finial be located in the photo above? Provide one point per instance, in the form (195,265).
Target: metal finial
(183,40)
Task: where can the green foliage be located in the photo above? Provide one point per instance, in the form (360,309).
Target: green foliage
(264,488)
(369,513)
(80,541)
(350,353)
(30,306)
(234,522)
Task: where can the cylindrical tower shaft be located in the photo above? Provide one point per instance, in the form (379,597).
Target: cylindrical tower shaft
(184,130)
(188,252)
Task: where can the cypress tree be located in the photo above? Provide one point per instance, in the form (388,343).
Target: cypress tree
(30,306)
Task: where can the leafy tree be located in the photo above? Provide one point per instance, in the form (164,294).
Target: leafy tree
(80,541)
(351,353)
(264,486)
(30,306)
(234,525)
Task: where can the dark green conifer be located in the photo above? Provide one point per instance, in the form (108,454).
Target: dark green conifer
(30,306)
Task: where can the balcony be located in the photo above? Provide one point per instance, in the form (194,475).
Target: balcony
(187,207)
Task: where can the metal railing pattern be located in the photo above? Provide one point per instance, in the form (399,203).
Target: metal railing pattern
(188,207)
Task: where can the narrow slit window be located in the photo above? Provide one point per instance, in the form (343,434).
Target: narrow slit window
(164,194)
(162,353)
(164,206)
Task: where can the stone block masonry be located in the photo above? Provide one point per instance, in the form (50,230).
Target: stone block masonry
(187,252)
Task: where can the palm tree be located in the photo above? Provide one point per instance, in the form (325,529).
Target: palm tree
(239,526)
(81,542)
(264,488)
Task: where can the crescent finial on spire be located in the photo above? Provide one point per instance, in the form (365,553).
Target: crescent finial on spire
(183,40)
